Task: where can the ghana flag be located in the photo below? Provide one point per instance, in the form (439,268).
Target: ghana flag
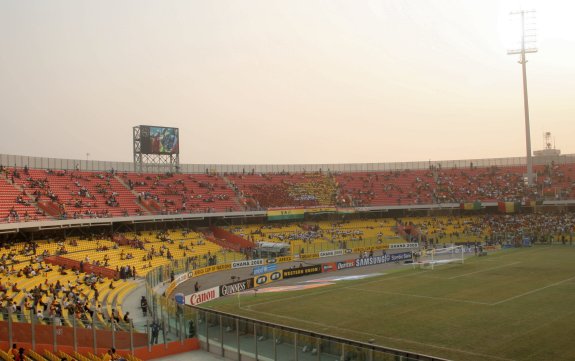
(320,209)
(469,206)
(346,210)
(508,207)
(276,214)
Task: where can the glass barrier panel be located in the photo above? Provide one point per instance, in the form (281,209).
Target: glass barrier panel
(307,348)
(247,339)
(355,353)
(201,325)
(230,336)
(285,342)
(384,356)
(265,342)
(189,319)
(330,350)
(214,330)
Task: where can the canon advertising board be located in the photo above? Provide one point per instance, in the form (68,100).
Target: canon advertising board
(203,296)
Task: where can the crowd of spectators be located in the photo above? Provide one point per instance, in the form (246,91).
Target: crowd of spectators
(259,190)
(73,194)
(176,193)
(502,228)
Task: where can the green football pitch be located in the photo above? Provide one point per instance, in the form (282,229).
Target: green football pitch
(516,304)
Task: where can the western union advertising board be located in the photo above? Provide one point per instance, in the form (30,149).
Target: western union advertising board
(301,271)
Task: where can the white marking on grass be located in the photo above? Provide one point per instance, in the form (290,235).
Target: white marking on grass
(423,296)
(483,270)
(333,289)
(291,298)
(532,291)
(327,327)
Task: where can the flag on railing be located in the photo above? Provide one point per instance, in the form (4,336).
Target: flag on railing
(508,207)
(469,206)
(346,210)
(275,214)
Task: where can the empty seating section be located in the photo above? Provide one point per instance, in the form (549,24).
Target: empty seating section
(284,190)
(488,185)
(16,206)
(79,194)
(182,193)
(150,249)
(389,188)
(322,235)
(34,194)
(437,185)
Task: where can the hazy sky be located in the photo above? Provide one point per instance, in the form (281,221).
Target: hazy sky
(282,81)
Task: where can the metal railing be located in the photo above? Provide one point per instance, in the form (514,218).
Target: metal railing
(240,338)
(25,327)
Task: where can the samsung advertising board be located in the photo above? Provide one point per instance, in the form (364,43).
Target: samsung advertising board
(159,140)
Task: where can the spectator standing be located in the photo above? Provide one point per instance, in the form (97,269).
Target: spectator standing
(144,305)
(14,351)
(155,332)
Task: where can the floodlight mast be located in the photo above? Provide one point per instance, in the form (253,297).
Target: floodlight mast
(530,34)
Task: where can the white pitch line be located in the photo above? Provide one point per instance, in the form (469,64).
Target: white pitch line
(332,289)
(483,270)
(532,291)
(249,307)
(423,296)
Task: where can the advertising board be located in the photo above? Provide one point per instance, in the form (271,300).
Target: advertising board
(370,261)
(248,263)
(403,245)
(329,267)
(336,252)
(264,269)
(268,278)
(301,271)
(350,263)
(235,287)
(205,270)
(202,296)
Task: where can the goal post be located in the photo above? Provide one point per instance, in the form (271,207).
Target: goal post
(440,256)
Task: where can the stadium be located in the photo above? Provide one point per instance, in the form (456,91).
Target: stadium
(84,241)
(280,211)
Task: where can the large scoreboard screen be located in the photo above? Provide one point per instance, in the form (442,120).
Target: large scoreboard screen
(159,140)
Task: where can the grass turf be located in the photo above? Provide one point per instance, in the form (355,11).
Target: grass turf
(516,304)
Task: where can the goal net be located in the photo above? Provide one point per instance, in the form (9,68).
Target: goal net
(431,258)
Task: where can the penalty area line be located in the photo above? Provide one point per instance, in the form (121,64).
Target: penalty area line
(423,296)
(483,270)
(532,291)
